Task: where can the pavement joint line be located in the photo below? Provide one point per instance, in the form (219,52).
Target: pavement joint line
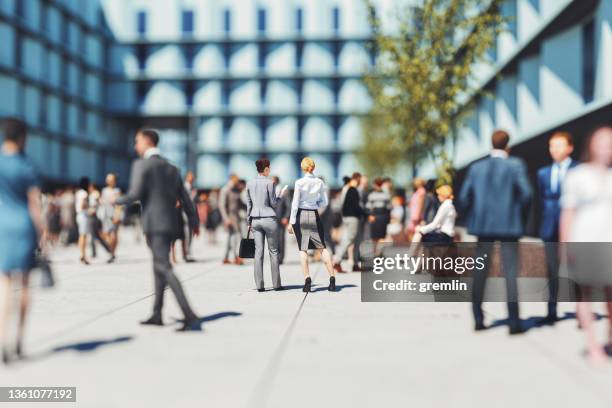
(70,329)
(268,376)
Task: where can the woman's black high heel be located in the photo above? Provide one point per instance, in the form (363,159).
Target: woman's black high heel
(307,285)
(6,358)
(332,284)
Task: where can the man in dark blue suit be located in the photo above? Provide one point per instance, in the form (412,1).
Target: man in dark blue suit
(550,180)
(495,196)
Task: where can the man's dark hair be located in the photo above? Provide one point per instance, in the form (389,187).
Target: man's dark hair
(500,139)
(84,183)
(262,164)
(356,176)
(14,129)
(346,179)
(150,134)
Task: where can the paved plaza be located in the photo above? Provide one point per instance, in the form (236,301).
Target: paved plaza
(287,349)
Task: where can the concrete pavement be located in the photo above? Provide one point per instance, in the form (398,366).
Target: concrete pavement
(286,349)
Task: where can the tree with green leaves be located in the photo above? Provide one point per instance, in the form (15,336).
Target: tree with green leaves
(423,81)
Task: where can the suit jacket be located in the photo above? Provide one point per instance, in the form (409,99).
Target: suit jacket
(495,196)
(157,185)
(261,198)
(549,204)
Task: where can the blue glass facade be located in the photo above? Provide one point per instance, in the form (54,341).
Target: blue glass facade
(54,74)
(279,78)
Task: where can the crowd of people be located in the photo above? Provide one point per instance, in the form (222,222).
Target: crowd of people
(328,225)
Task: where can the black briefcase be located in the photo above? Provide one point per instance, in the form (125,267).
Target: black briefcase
(247,246)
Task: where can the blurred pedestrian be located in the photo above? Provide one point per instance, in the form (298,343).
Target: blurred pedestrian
(495,196)
(81,204)
(310,195)
(550,180)
(586,204)
(442,228)
(110,215)
(283,212)
(19,232)
(431,204)
(352,213)
(416,205)
(379,207)
(229,206)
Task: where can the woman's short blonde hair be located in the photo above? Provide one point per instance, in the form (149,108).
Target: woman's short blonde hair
(445,191)
(308,165)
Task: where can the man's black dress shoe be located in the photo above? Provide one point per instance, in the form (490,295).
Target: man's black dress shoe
(153,321)
(279,288)
(549,320)
(479,326)
(190,325)
(261,289)
(516,330)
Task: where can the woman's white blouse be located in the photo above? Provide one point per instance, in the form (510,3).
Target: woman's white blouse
(310,193)
(444,221)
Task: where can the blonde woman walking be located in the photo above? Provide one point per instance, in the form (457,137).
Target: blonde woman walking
(310,195)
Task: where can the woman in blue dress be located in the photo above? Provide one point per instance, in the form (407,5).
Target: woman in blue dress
(20,222)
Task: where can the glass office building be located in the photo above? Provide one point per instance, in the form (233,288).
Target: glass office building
(229,81)
(552,70)
(54,73)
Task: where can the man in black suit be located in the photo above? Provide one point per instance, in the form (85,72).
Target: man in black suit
(495,195)
(157,185)
(550,180)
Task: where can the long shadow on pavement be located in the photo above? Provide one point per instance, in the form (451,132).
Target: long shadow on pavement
(338,288)
(83,347)
(534,321)
(213,317)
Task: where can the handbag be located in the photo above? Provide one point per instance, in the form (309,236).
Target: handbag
(247,246)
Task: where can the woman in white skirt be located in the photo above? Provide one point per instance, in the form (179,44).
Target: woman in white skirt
(310,195)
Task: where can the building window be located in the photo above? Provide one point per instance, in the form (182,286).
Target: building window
(261,57)
(299,52)
(43,17)
(299,20)
(588,61)
(19,8)
(189,91)
(141,93)
(189,56)
(225,93)
(336,18)
(261,20)
(17,48)
(227,21)
(187,22)
(141,56)
(141,22)
(263,91)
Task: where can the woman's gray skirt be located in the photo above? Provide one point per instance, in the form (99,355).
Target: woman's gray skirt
(308,230)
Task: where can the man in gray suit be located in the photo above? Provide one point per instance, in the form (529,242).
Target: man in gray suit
(157,185)
(495,196)
(261,218)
